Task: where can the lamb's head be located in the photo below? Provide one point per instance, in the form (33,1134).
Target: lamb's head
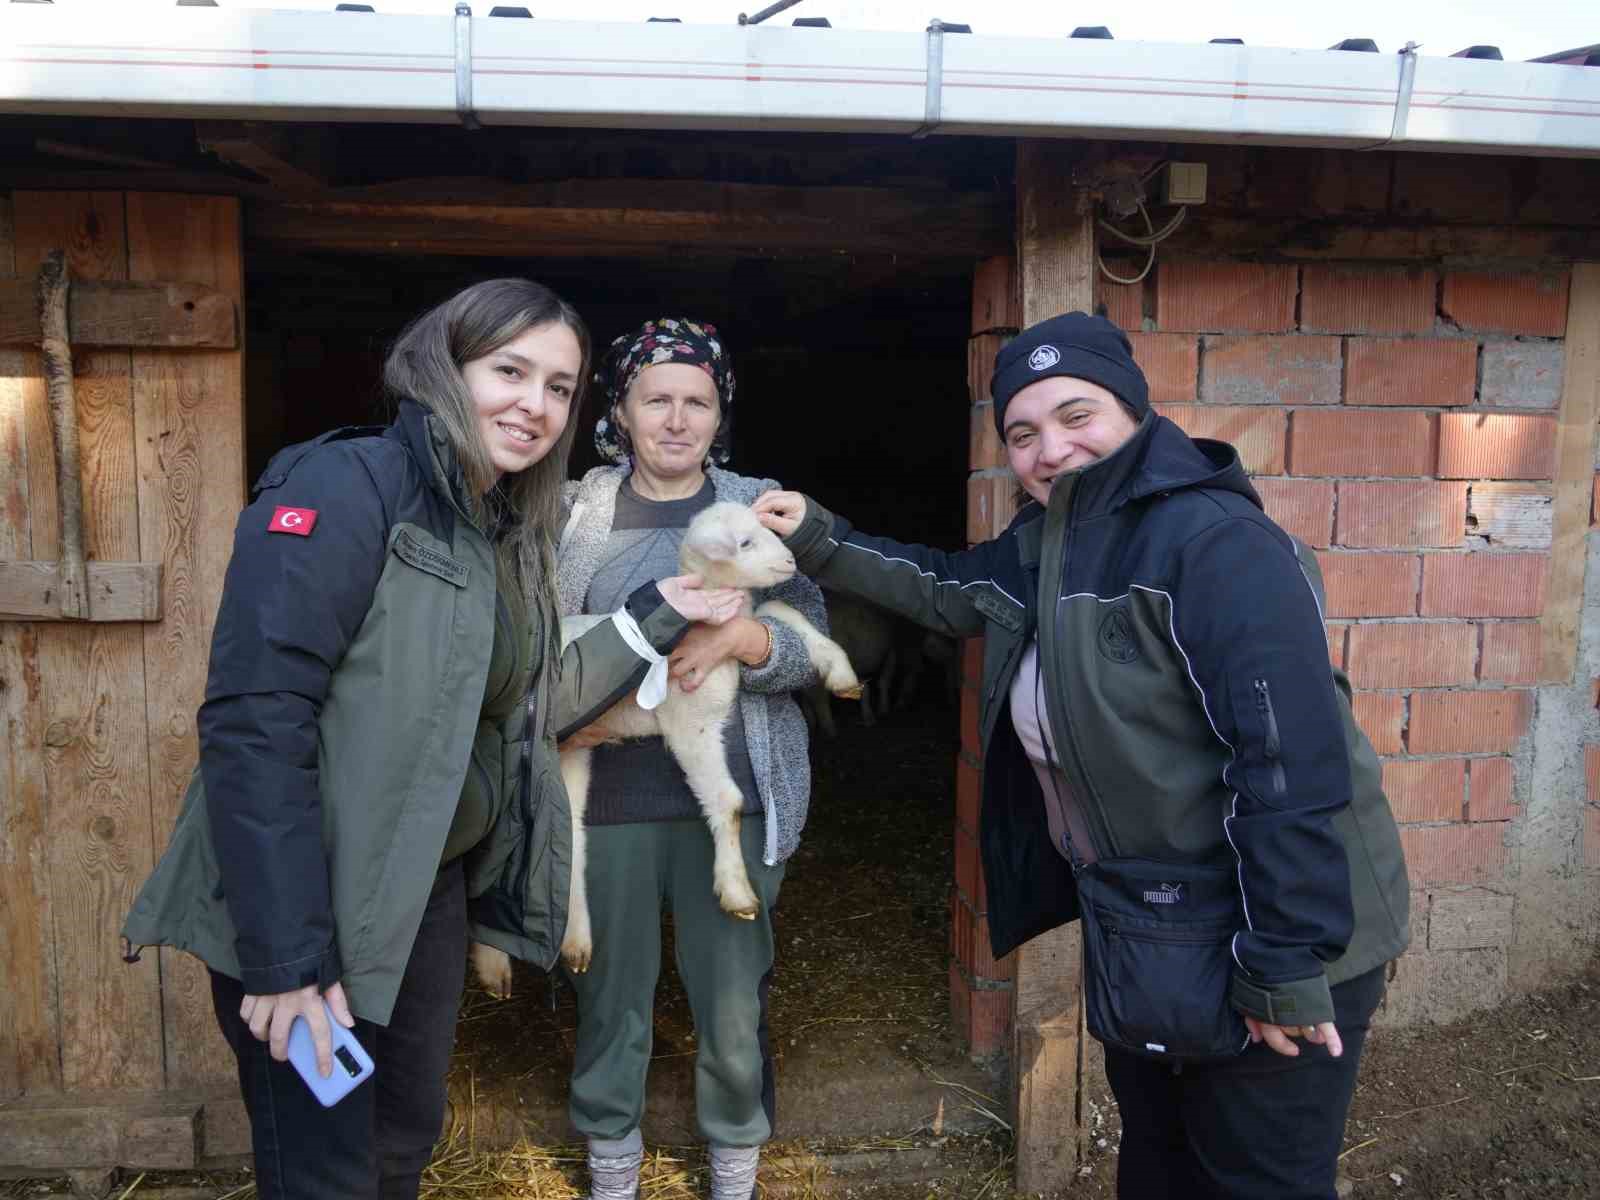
(731,548)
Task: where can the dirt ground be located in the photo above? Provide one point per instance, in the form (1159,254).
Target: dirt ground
(876,1100)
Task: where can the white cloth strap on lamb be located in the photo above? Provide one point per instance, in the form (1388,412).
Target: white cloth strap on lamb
(654,688)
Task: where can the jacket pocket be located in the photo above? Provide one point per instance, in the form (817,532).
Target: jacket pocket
(1157,958)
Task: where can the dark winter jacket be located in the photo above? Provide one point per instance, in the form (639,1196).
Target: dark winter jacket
(1189,692)
(347,675)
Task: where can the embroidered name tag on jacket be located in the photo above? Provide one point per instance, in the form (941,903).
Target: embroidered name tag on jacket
(998,609)
(298,521)
(425,558)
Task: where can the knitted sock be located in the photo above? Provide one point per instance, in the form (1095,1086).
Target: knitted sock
(614,1167)
(733,1172)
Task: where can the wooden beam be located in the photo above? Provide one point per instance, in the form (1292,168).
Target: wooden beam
(1575,433)
(116,591)
(1055,263)
(138,1130)
(167,316)
(290,158)
(648,218)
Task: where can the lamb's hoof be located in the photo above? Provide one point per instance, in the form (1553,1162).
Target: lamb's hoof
(577,956)
(740,902)
(493,968)
(850,693)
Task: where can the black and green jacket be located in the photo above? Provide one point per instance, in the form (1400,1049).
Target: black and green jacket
(342,710)
(1189,692)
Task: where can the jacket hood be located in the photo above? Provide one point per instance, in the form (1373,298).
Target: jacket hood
(1159,457)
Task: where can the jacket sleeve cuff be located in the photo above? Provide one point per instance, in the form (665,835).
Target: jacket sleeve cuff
(812,543)
(787,669)
(662,625)
(322,969)
(1299,1002)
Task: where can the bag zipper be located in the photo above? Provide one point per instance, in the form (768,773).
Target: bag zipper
(1166,935)
(1272,746)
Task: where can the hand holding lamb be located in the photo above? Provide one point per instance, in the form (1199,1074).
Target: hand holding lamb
(728,547)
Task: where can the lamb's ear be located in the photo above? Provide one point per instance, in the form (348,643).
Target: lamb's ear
(717,544)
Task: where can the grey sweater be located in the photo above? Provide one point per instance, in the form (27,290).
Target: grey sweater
(775,732)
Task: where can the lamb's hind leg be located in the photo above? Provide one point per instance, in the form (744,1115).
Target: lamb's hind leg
(832,663)
(697,745)
(577,947)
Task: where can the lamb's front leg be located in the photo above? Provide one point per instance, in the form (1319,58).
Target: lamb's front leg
(832,663)
(693,732)
(577,947)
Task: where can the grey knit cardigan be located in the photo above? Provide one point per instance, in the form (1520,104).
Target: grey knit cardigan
(773,726)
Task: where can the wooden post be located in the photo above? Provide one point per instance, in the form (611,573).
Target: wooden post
(73,579)
(1055,261)
(1580,405)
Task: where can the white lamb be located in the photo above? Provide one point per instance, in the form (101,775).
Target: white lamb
(728,547)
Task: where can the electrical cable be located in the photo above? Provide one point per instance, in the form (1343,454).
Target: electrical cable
(1150,240)
(1134,239)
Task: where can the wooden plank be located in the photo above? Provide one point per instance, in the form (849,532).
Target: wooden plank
(291,158)
(1055,263)
(649,218)
(29,1042)
(138,1130)
(1575,434)
(1509,515)
(16,540)
(171,315)
(94,759)
(29,591)
(189,417)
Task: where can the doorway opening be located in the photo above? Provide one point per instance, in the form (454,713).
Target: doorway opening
(852,388)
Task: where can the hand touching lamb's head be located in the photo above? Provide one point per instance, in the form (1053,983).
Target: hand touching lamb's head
(729,546)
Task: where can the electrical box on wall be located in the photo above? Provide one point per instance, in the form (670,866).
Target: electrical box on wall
(1182,183)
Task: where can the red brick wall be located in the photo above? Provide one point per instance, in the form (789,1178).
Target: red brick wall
(1401,421)
(980,986)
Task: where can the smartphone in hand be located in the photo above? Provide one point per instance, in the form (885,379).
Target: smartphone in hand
(351,1063)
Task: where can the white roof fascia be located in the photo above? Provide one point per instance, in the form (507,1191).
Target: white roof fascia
(331,66)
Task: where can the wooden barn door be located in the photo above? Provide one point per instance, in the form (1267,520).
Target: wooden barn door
(99,715)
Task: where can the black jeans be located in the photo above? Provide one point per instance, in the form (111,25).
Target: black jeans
(376,1141)
(1258,1127)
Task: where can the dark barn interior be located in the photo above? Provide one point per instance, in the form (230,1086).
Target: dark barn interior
(839,270)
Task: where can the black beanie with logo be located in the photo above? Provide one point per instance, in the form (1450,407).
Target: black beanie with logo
(1075,344)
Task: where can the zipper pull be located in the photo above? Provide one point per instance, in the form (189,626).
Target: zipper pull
(1268,718)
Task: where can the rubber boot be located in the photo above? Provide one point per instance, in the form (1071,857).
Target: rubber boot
(614,1167)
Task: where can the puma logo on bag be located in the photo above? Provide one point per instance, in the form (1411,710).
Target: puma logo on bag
(1166,893)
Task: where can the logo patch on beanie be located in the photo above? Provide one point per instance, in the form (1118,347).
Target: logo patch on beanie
(1044,357)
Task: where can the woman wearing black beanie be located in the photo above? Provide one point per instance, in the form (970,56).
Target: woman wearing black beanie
(1167,757)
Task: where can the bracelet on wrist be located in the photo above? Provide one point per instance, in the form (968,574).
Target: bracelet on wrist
(766,657)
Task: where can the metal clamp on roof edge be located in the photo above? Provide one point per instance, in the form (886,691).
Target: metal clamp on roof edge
(1402,97)
(930,113)
(469,119)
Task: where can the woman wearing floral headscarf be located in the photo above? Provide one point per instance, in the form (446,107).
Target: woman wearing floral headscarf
(670,389)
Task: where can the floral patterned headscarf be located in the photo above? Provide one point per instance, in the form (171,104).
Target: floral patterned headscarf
(664,340)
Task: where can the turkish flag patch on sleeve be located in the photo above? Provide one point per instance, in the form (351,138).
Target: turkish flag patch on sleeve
(293,520)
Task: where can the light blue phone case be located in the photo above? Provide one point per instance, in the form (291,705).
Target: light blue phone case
(351,1064)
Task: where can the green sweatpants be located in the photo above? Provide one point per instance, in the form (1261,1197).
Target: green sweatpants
(634,871)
